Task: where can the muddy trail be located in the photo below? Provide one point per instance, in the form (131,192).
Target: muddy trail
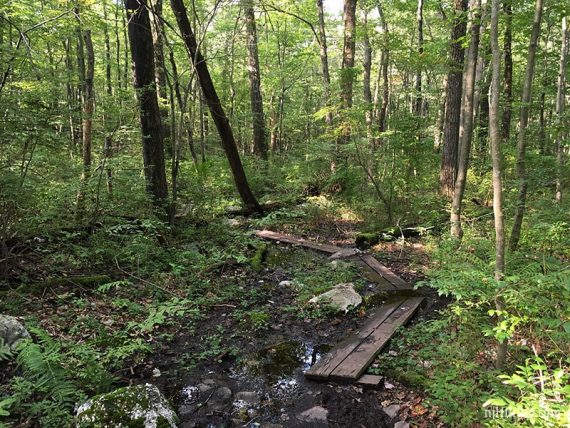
(251,369)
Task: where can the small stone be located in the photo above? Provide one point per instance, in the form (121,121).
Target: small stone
(285,283)
(314,414)
(388,385)
(401,424)
(252,413)
(341,296)
(156,373)
(393,353)
(392,411)
(345,253)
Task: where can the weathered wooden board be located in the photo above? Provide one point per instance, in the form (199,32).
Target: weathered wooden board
(323,369)
(274,236)
(369,381)
(354,365)
(382,270)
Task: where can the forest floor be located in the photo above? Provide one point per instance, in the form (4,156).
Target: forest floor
(237,357)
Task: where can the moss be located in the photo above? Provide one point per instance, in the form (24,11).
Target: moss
(89,281)
(259,257)
(367,240)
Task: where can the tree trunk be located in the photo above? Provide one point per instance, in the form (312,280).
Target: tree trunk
(495,139)
(213,101)
(450,152)
(560,101)
(324,63)
(523,122)
(347,71)
(508,72)
(107,148)
(259,137)
(420,21)
(466,129)
(367,65)
(382,112)
(140,39)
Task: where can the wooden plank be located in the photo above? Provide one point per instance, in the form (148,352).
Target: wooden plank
(274,236)
(323,369)
(369,381)
(385,272)
(362,356)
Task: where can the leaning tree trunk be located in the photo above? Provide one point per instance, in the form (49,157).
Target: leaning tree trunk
(560,101)
(523,122)
(213,101)
(466,130)
(508,72)
(324,63)
(259,137)
(495,139)
(450,151)
(142,52)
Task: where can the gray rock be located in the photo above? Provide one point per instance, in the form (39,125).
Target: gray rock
(248,397)
(11,331)
(314,414)
(341,296)
(392,411)
(285,283)
(345,253)
(401,424)
(140,405)
(221,399)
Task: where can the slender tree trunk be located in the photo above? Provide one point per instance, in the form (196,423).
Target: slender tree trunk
(382,113)
(71,98)
(88,105)
(560,105)
(418,90)
(215,106)
(367,64)
(523,122)
(347,70)
(450,152)
(140,39)
(508,72)
(466,129)
(495,139)
(259,137)
(324,63)
(438,132)
(108,145)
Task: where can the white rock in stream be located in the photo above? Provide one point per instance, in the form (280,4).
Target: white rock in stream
(142,406)
(341,296)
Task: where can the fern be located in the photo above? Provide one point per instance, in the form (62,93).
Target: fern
(42,363)
(6,352)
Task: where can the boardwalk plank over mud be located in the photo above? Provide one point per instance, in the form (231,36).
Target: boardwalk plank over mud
(274,236)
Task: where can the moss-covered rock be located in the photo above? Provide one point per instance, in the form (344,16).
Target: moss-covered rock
(141,406)
(11,331)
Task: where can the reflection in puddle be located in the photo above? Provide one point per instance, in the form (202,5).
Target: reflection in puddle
(281,360)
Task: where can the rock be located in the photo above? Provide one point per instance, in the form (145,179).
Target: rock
(285,283)
(339,264)
(314,414)
(345,253)
(401,424)
(248,397)
(392,411)
(11,331)
(341,297)
(220,399)
(141,405)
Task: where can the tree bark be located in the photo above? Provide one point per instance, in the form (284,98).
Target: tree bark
(466,129)
(495,140)
(450,152)
(213,101)
(347,70)
(508,72)
(560,105)
(382,113)
(418,86)
(142,53)
(259,137)
(324,63)
(367,65)
(523,122)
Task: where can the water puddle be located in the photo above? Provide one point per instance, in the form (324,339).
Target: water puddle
(386,297)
